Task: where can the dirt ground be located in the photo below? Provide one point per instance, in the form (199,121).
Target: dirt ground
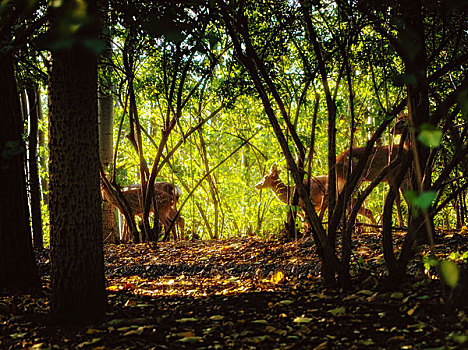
(249,294)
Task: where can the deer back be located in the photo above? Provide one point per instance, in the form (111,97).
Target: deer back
(379,158)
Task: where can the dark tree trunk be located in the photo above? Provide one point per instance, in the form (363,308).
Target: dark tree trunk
(34,182)
(418,107)
(77,266)
(17,264)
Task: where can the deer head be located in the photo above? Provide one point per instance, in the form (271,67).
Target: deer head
(401,124)
(269,179)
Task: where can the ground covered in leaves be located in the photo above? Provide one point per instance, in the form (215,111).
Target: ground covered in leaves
(248,294)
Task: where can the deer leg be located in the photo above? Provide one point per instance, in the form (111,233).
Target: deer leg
(174,232)
(181,225)
(166,224)
(323,207)
(126,232)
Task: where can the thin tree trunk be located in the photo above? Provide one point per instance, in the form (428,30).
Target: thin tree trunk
(211,183)
(43,161)
(110,231)
(34,182)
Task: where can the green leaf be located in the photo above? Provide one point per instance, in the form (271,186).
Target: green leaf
(450,273)
(338,311)
(190,340)
(422,201)
(95,45)
(302,320)
(458,337)
(397,295)
(188,319)
(425,199)
(429,135)
(411,197)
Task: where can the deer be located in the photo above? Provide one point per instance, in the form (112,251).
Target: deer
(379,158)
(318,192)
(166,196)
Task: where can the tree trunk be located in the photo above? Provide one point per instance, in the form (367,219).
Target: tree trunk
(17,264)
(34,182)
(418,106)
(106,121)
(43,161)
(77,266)
(211,183)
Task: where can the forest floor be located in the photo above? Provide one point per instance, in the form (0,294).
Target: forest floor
(248,294)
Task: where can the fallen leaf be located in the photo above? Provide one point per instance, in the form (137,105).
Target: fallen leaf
(188,319)
(397,295)
(277,277)
(190,340)
(303,320)
(339,311)
(217,317)
(322,346)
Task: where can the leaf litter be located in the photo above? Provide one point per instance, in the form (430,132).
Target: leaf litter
(246,294)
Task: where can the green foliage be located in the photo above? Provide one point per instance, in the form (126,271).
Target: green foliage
(429,135)
(450,273)
(420,201)
(449,270)
(183,61)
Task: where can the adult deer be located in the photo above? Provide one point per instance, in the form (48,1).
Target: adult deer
(318,192)
(379,158)
(166,196)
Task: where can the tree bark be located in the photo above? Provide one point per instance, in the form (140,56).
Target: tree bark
(17,264)
(77,266)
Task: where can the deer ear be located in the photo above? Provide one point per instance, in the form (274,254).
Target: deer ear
(274,168)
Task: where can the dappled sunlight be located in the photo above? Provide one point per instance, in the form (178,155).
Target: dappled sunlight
(203,268)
